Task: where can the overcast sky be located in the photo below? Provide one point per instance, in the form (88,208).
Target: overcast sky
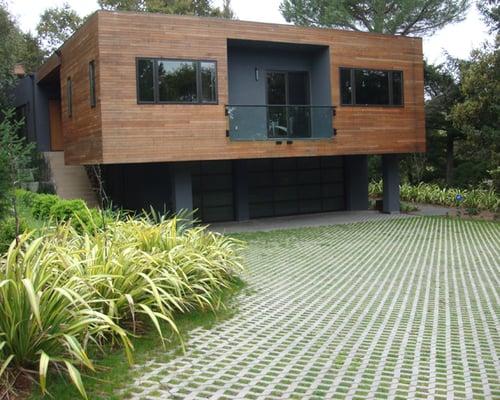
(457,40)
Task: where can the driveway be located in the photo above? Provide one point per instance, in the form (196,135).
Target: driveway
(399,308)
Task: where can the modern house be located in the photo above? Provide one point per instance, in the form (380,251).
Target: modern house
(235,119)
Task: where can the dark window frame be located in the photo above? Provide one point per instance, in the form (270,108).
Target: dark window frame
(156,85)
(92,84)
(69,95)
(353,87)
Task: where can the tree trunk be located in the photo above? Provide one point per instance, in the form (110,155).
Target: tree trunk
(449,159)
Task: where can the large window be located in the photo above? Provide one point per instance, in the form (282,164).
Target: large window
(371,87)
(176,81)
(92,83)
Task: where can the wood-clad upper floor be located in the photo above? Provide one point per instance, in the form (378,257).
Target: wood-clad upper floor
(120,129)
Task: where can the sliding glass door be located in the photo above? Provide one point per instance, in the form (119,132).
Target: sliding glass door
(288,99)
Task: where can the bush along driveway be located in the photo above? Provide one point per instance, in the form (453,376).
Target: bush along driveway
(403,308)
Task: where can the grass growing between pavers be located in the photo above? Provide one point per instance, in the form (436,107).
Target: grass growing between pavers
(404,307)
(113,370)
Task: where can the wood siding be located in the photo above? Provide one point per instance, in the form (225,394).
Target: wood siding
(83,130)
(119,130)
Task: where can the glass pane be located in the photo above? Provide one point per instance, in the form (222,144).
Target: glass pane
(345,86)
(397,88)
(145,78)
(277,122)
(299,121)
(277,125)
(69,94)
(276,90)
(208,82)
(298,88)
(92,83)
(177,81)
(372,87)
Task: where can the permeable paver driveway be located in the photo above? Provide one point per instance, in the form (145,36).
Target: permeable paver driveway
(404,308)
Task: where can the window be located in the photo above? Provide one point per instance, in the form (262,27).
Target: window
(371,87)
(69,94)
(92,83)
(208,82)
(176,81)
(145,81)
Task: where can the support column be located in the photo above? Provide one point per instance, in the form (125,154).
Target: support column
(182,187)
(390,176)
(356,182)
(240,188)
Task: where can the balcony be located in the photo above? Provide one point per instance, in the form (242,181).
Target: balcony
(279,122)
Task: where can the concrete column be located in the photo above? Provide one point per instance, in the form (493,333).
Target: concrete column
(182,187)
(390,176)
(240,188)
(356,182)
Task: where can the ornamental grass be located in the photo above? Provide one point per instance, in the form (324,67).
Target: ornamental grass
(65,294)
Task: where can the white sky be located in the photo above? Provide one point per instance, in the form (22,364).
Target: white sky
(458,40)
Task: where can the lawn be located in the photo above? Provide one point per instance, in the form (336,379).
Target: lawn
(404,308)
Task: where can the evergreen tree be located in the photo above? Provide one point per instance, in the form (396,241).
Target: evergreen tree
(402,17)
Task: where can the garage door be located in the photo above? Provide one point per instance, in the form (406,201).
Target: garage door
(287,186)
(213,191)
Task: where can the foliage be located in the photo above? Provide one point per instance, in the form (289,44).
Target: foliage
(56,25)
(490,9)
(10,41)
(15,157)
(65,293)
(480,199)
(477,114)
(189,7)
(8,232)
(402,17)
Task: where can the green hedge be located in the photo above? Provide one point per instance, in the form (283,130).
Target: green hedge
(472,199)
(49,207)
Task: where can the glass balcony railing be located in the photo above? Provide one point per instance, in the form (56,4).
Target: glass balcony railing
(275,122)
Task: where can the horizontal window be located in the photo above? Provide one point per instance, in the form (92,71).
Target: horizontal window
(371,87)
(176,81)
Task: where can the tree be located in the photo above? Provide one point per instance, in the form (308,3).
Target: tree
(401,17)
(442,88)
(10,42)
(490,9)
(189,7)
(56,25)
(15,158)
(477,113)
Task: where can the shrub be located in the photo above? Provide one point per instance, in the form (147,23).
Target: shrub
(66,291)
(474,199)
(8,233)
(41,204)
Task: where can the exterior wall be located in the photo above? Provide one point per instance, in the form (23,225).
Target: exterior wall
(225,190)
(35,98)
(121,131)
(244,89)
(82,131)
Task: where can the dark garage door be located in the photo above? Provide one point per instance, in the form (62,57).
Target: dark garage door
(286,186)
(213,191)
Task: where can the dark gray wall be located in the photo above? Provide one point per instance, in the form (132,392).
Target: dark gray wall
(244,89)
(35,98)
(356,182)
(390,176)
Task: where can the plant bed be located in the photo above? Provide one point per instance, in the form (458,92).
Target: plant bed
(67,295)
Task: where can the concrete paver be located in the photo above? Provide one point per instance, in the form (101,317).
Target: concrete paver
(393,308)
